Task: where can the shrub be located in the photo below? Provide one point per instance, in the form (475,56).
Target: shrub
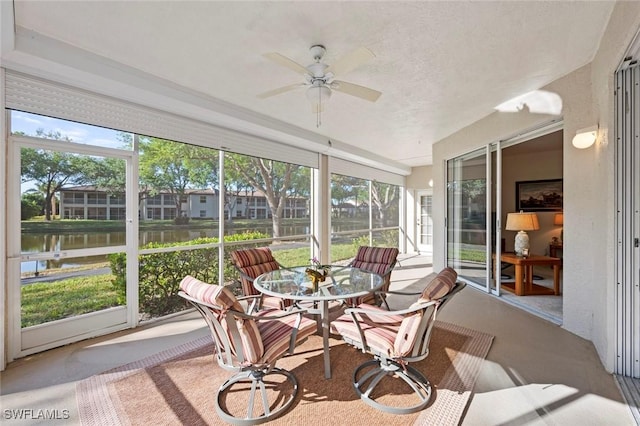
(181,220)
(159,274)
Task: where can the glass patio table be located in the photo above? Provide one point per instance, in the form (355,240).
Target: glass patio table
(342,282)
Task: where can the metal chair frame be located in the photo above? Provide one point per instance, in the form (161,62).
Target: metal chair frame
(229,353)
(365,382)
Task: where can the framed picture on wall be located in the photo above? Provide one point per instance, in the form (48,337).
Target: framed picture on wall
(539,195)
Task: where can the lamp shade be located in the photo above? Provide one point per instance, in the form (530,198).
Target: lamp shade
(558,219)
(522,222)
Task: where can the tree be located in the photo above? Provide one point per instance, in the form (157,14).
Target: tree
(383,196)
(300,188)
(175,167)
(52,170)
(32,204)
(344,188)
(272,178)
(234,185)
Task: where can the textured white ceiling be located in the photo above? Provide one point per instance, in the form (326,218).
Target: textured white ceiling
(440,65)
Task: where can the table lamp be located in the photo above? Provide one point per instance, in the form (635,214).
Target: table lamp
(558,220)
(522,222)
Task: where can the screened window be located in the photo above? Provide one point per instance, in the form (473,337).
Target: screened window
(117,199)
(73,197)
(96,198)
(363,212)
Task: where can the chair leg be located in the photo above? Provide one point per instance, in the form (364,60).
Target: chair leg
(365,382)
(279,405)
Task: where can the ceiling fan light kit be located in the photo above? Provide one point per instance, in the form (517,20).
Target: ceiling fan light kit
(319,77)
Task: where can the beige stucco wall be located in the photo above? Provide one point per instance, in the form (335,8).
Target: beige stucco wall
(419,178)
(417,181)
(589,190)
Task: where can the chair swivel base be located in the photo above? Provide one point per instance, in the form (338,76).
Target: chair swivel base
(366,384)
(256,378)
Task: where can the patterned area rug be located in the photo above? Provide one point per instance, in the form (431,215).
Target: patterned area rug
(178,386)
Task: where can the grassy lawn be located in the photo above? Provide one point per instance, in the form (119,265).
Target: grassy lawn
(50,301)
(300,256)
(472,255)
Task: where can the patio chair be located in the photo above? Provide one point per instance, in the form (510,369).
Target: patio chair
(249,346)
(379,260)
(251,263)
(396,339)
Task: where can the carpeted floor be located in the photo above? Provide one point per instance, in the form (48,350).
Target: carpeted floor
(178,386)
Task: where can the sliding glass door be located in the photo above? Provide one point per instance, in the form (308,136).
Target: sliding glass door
(472,216)
(467,216)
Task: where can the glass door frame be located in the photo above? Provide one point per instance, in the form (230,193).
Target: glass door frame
(22,342)
(492,285)
(422,248)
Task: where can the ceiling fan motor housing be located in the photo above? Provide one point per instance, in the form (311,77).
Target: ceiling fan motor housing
(317,52)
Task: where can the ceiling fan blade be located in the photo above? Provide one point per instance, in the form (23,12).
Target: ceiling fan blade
(350,61)
(356,90)
(280,90)
(286,62)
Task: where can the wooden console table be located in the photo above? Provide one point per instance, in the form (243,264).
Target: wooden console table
(524,284)
(554,248)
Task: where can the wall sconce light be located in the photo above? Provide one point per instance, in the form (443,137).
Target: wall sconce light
(586,137)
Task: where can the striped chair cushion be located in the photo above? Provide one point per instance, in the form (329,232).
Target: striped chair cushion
(391,335)
(276,334)
(440,285)
(378,260)
(255,262)
(407,334)
(212,294)
(375,259)
(380,332)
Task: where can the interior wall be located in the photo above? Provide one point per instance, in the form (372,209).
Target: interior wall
(419,177)
(524,167)
(589,190)
(418,180)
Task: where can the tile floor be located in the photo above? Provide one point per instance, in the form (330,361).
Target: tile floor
(536,373)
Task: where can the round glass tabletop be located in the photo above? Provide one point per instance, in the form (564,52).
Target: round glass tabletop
(341,282)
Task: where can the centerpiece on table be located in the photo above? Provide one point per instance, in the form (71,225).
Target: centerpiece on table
(317,272)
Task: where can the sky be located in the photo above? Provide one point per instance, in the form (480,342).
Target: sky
(77,132)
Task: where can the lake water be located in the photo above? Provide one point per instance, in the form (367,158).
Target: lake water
(39,243)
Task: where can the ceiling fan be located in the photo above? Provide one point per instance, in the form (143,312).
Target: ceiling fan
(319,77)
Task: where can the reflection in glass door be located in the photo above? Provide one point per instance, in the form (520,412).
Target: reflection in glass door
(467,224)
(73,218)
